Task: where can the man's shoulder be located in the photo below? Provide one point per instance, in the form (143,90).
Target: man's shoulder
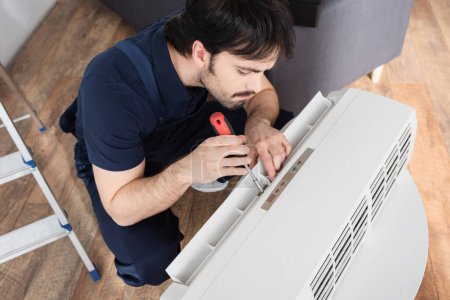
(108,64)
(111,91)
(111,73)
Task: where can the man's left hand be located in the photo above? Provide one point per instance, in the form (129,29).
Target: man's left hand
(269,144)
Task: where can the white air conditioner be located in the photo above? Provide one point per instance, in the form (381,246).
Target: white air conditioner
(298,238)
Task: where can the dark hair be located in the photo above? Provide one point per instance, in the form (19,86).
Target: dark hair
(252,29)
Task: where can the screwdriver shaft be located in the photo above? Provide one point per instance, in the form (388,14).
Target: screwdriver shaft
(258,185)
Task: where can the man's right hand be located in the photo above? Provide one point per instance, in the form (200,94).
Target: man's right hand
(210,160)
(129,198)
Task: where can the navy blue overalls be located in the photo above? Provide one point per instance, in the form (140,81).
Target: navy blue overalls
(144,250)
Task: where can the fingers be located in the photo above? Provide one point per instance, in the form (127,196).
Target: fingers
(273,153)
(266,160)
(232,171)
(235,161)
(278,156)
(211,159)
(253,156)
(224,140)
(287,146)
(233,150)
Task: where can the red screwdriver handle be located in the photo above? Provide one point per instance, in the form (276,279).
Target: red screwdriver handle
(220,124)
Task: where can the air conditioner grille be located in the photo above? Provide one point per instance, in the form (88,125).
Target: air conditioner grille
(405,136)
(359,223)
(375,183)
(323,283)
(391,158)
(391,169)
(350,238)
(405,144)
(342,251)
(377,192)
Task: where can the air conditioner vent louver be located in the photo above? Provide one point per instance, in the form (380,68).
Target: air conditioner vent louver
(342,251)
(323,283)
(377,192)
(384,181)
(404,145)
(359,223)
(391,169)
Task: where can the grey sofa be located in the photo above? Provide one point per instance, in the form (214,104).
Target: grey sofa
(352,38)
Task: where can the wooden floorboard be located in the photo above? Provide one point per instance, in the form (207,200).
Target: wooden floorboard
(433,53)
(49,68)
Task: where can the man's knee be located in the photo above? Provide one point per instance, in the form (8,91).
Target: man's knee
(150,270)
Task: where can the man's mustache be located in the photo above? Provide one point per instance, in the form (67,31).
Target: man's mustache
(243,94)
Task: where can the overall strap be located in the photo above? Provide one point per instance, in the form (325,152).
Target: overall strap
(145,69)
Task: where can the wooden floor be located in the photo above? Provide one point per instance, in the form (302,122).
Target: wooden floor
(49,69)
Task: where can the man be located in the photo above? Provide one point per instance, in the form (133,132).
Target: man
(143,141)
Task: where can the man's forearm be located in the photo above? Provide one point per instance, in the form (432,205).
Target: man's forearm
(145,197)
(263,107)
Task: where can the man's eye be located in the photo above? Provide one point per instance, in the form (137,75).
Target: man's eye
(243,73)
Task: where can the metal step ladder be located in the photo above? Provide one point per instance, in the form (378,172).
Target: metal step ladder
(43,231)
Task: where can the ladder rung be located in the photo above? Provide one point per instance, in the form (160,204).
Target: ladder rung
(12,167)
(30,237)
(16,120)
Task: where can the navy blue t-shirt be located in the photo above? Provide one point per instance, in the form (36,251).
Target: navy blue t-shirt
(115,117)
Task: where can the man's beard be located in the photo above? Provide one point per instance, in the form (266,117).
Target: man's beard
(208,80)
(230,104)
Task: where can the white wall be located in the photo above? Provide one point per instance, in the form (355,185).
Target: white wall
(18,19)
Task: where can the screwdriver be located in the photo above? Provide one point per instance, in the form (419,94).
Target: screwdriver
(223,127)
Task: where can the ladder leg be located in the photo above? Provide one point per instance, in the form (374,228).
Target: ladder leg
(95,275)
(50,197)
(21,96)
(93,272)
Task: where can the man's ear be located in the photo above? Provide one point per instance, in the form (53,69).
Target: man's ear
(200,55)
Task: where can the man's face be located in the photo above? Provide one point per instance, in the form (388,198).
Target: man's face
(232,80)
